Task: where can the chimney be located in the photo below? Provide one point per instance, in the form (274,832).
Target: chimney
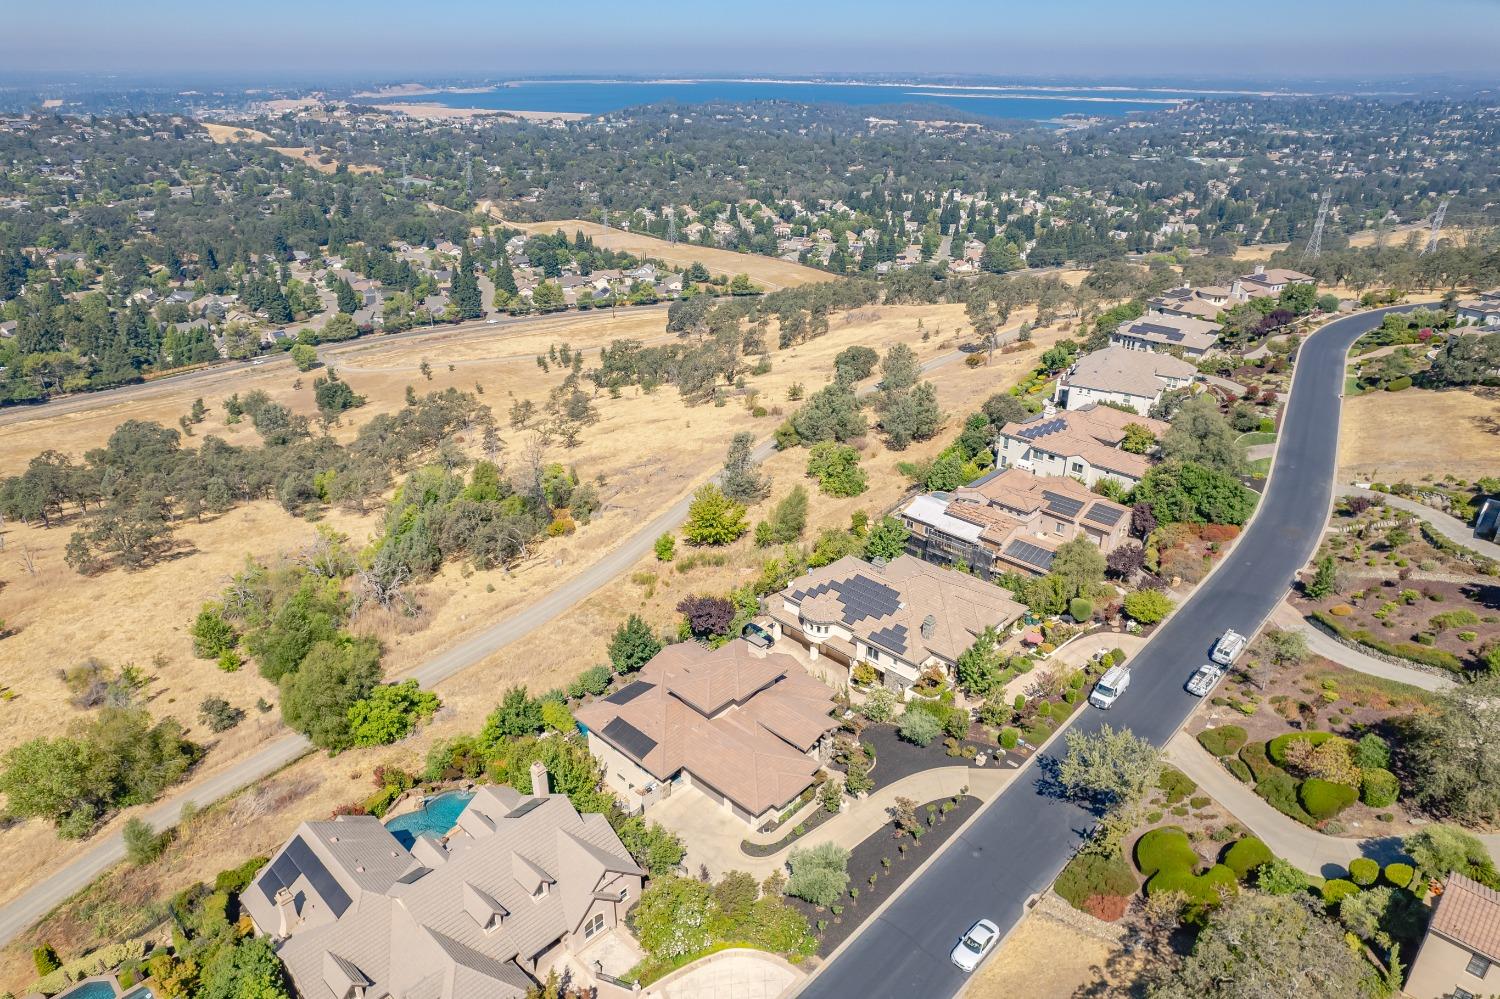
(286,909)
(879,562)
(929,625)
(541,783)
(1260,268)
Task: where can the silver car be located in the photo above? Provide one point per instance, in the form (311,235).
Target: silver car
(975,944)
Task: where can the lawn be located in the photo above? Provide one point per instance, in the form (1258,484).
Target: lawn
(1257,437)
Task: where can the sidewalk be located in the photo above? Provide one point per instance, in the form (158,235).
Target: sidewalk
(1289,839)
(1448,526)
(1320,642)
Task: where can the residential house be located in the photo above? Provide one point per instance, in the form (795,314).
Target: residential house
(1182,335)
(517,888)
(1460,954)
(1081,443)
(1011,521)
(1481,311)
(908,619)
(1124,376)
(1265,281)
(748,731)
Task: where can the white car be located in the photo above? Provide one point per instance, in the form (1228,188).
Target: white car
(1111,685)
(1202,682)
(975,944)
(1228,648)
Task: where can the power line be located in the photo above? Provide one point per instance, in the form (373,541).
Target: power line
(1315,244)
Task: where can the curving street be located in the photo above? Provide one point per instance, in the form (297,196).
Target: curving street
(1015,847)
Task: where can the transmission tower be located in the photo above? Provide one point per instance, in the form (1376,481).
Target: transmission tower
(671,224)
(1437,225)
(1315,244)
(468,175)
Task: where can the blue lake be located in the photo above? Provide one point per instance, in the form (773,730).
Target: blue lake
(602,96)
(436,819)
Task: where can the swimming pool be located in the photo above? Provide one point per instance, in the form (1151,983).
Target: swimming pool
(140,993)
(439,816)
(98,989)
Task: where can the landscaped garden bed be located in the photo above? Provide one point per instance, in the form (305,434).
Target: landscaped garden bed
(879,865)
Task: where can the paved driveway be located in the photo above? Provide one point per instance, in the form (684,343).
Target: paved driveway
(730,975)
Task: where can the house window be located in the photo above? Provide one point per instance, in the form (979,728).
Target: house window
(594,925)
(1478,966)
(1077,468)
(1459,993)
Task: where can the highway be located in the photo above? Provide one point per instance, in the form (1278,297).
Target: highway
(1015,847)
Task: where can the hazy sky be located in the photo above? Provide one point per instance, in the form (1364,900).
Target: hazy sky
(1264,39)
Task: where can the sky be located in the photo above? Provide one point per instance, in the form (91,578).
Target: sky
(1263,40)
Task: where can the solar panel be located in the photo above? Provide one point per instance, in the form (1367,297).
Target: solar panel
(859,598)
(1042,429)
(893,638)
(1030,554)
(526,806)
(1063,506)
(628,739)
(298,859)
(1107,515)
(629,693)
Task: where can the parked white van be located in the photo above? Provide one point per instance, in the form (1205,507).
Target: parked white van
(1111,685)
(1228,648)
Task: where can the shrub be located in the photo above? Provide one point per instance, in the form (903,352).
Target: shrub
(919,727)
(142,843)
(1439,658)
(665,548)
(219,715)
(1009,737)
(44,956)
(1147,606)
(1246,856)
(1176,784)
(1324,799)
(1253,756)
(1089,875)
(1237,766)
(1276,748)
(1335,890)
(1363,871)
(1164,848)
(1080,609)
(1379,788)
(1280,792)
(237,879)
(1225,740)
(1398,384)
(1398,875)
(1278,877)
(1372,753)
(1200,888)
(820,874)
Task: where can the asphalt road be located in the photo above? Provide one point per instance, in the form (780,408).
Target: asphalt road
(18,914)
(1016,846)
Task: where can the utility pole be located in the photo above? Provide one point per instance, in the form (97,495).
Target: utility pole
(1315,244)
(1437,225)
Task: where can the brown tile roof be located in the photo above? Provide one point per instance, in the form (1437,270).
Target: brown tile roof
(1468,913)
(1120,369)
(1061,497)
(1092,433)
(739,722)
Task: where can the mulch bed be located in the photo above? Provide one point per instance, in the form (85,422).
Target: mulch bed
(807,825)
(895,758)
(864,860)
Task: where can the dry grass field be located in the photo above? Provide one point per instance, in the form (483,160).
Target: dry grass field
(648,450)
(222,133)
(1393,436)
(1044,958)
(769,272)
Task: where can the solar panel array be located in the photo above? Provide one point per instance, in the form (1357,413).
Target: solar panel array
(893,638)
(1042,429)
(1030,554)
(628,739)
(1063,506)
(629,693)
(1170,332)
(299,860)
(1106,515)
(860,597)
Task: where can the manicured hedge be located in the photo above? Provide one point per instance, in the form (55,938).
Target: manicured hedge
(1401,650)
(1276,748)
(1379,788)
(1254,757)
(1202,888)
(1398,875)
(1324,799)
(1363,871)
(1335,890)
(1089,874)
(1237,766)
(1279,789)
(1176,784)
(1225,740)
(1163,848)
(1245,856)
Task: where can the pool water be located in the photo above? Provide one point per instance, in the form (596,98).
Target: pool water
(91,990)
(440,815)
(140,993)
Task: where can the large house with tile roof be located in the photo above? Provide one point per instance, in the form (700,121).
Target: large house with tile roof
(1184,335)
(518,888)
(1082,444)
(1124,375)
(1011,521)
(905,619)
(1460,955)
(748,730)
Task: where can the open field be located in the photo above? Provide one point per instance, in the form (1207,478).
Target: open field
(1045,957)
(648,449)
(769,272)
(308,158)
(221,133)
(1391,436)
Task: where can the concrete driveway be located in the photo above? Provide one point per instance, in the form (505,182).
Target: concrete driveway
(734,974)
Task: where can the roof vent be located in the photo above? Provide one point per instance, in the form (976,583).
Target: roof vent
(879,562)
(929,625)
